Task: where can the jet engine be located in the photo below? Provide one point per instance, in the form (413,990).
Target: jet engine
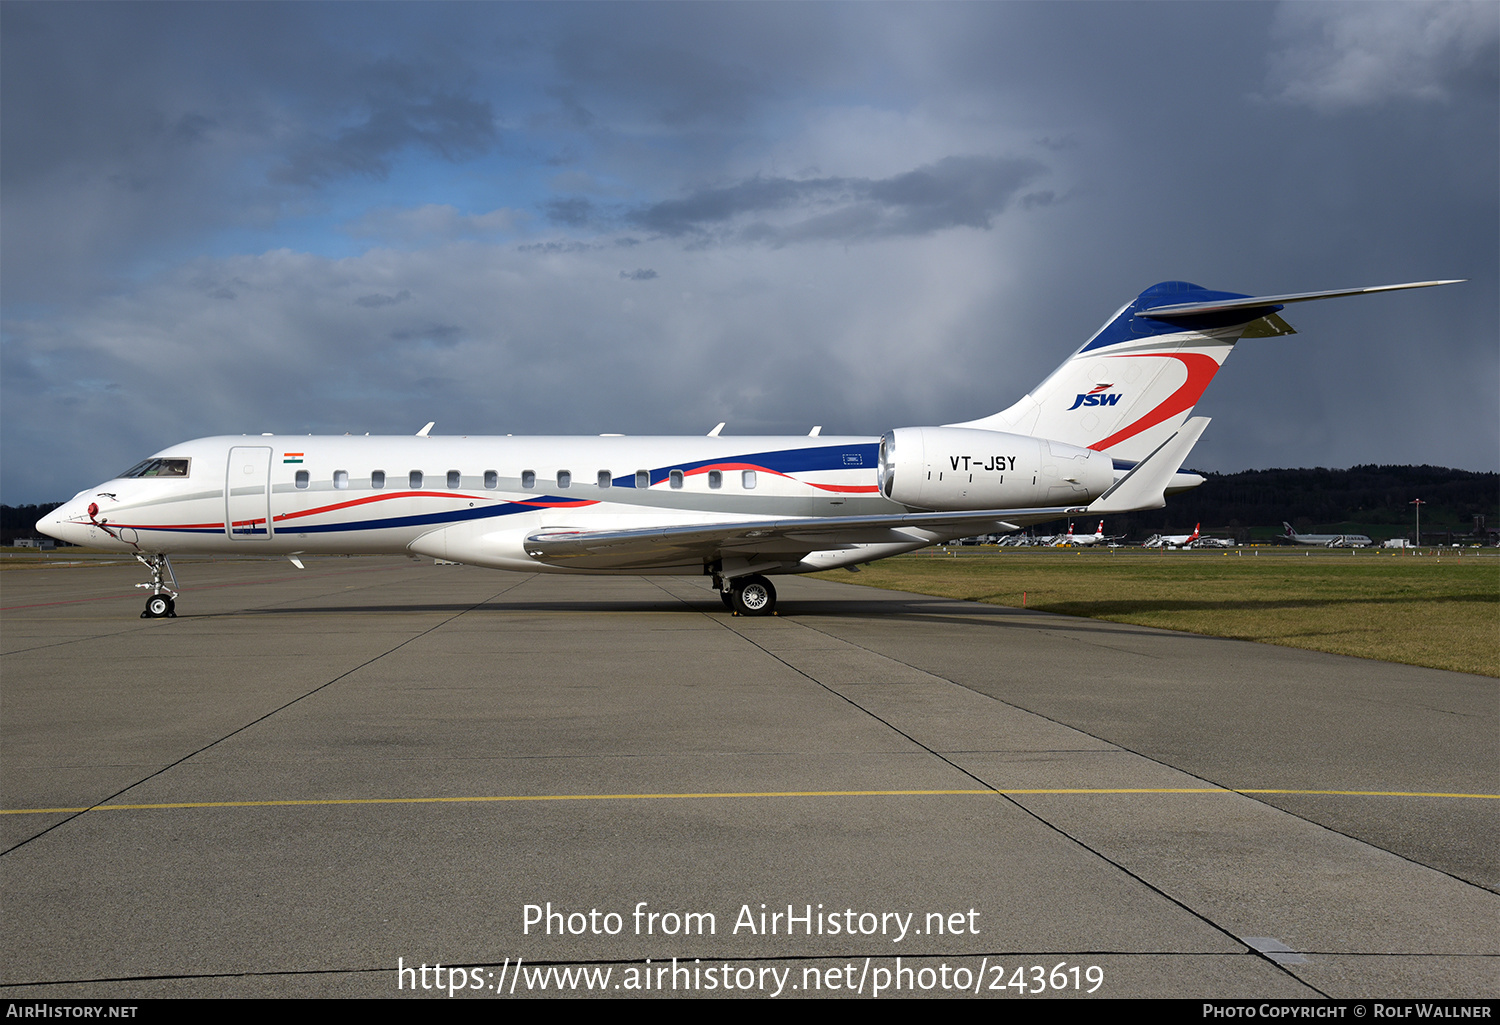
(951,469)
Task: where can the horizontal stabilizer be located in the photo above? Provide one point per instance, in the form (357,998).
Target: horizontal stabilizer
(1256,301)
(1145,486)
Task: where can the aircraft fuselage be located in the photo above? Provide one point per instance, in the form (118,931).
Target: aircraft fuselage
(477,499)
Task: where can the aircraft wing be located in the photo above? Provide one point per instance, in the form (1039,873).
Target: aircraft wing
(789,538)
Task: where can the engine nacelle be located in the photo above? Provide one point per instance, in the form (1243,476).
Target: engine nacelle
(951,469)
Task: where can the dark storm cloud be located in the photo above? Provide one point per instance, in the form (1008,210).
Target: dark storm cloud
(376,300)
(553,248)
(573,212)
(451,126)
(133,132)
(641,274)
(956,191)
(445,335)
(713,206)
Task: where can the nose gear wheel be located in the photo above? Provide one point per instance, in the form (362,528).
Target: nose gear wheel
(163,601)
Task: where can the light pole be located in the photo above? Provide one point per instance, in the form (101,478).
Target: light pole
(1418,503)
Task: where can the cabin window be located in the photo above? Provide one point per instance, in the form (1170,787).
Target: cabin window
(715,479)
(341,480)
(157,468)
(455,478)
(676,476)
(303,478)
(747,479)
(564,479)
(377,479)
(491,480)
(643,478)
(414,479)
(528,478)
(605,480)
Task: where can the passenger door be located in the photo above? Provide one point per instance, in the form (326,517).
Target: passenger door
(247,494)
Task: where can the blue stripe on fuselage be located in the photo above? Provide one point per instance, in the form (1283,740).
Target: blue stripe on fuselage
(789,460)
(429,519)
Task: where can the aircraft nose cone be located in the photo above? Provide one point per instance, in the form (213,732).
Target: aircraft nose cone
(61,523)
(51,523)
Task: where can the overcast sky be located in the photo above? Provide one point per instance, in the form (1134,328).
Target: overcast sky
(648,218)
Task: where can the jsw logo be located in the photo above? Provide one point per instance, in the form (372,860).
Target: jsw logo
(1093,398)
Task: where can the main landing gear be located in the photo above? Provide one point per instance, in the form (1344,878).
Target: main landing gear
(747,596)
(163,601)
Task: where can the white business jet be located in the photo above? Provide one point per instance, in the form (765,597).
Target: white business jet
(1105,433)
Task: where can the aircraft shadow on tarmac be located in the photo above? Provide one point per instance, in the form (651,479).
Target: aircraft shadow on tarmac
(882,609)
(953,611)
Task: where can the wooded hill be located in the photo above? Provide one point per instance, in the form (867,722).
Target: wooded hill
(1372,500)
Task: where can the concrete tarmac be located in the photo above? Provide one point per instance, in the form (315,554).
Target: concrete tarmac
(310,778)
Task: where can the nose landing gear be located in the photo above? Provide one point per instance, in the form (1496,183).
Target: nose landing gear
(163,601)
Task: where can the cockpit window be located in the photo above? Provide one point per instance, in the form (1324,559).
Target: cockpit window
(157,468)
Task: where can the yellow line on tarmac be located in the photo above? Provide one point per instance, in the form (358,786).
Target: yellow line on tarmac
(723,795)
(1370,793)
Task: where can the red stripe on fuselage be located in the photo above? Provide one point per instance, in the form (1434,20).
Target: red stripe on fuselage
(162,526)
(567,503)
(377,498)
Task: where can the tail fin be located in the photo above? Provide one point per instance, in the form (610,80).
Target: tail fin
(1134,384)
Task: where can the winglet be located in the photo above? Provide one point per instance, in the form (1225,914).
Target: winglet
(430,425)
(1145,486)
(715,432)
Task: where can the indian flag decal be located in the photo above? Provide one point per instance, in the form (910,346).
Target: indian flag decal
(291,457)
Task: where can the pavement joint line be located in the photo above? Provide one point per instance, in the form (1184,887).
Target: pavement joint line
(1155,760)
(259,719)
(726,795)
(1033,813)
(135,628)
(1020,805)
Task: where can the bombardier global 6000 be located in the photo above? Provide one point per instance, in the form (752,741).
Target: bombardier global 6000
(1106,432)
